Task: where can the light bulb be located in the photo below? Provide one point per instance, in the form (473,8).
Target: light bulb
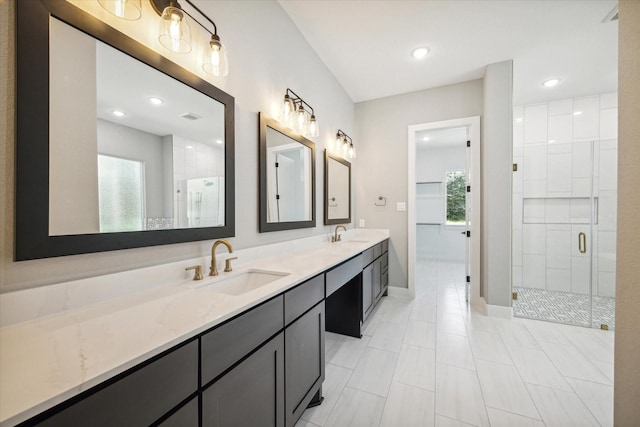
(175,33)
(351,150)
(300,119)
(215,59)
(338,142)
(345,144)
(313,126)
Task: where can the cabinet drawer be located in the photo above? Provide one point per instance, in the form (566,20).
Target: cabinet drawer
(224,346)
(187,416)
(377,250)
(343,273)
(302,298)
(385,246)
(385,262)
(141,397)
(367,257)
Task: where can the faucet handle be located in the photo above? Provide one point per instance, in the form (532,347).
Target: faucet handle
(339,237)
(198,272)
(227,264)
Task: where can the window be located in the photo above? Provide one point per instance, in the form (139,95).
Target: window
(456,193)
(121,194)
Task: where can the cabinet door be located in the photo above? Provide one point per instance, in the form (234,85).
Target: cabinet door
(377,278)
(250,394)
(367,291)
(304,355)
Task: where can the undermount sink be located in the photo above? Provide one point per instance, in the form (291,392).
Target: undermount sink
(244,282)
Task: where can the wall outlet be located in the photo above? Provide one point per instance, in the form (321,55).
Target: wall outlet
(361,223)
(401,206)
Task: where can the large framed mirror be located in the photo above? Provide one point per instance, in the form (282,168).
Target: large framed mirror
(337,190)
(287,178)
(117,147)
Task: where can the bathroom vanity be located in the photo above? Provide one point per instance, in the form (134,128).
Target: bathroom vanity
(194,352)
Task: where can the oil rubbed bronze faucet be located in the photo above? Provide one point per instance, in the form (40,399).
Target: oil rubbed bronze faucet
(338,237)
(227,263)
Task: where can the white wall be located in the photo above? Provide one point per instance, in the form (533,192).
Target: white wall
(381,168)
(438,241)
(627,347)
(551,191)
(496,155)
(267,54)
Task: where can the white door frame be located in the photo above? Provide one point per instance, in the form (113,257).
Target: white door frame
(473,124)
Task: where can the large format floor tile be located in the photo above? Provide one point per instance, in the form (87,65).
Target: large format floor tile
(433,361)
(559,408)
(408,406)
(374,372)
(503,389)
(458,395)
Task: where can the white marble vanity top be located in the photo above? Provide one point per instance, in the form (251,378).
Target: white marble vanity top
(53,353)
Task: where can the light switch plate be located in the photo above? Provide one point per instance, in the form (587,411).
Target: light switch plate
(361,223)
(401,206)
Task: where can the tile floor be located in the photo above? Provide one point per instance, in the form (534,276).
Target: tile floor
(433,362)
(564,307)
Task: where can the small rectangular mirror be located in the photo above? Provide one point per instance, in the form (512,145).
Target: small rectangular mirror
(287,178)
(337,190)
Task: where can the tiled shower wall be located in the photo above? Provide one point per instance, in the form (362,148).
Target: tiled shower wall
(552,147)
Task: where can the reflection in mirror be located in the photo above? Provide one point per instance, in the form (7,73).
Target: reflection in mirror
(287,178)
(144,144)
(337,189)
(117,147)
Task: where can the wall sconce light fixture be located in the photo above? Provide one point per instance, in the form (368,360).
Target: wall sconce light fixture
(175,32)
(344,143)
(296,116)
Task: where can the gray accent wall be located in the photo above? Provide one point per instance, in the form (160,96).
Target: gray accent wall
(261,69)
(381,167)
(496,161)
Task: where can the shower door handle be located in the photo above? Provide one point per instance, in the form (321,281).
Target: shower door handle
(582,242)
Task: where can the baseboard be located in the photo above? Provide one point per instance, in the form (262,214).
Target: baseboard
(394,291)
(499,311)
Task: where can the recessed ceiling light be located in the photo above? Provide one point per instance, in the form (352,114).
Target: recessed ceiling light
(550,82)
(420,52)
(118,113)
(577,113)
(425,138)
(551,141)
(189,146)
(519,120)
(218,141)
(155,101)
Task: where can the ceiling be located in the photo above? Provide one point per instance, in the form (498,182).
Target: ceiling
(367,44)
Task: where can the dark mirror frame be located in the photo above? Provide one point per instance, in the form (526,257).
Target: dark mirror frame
(32,240)
(265,226)
(328,156)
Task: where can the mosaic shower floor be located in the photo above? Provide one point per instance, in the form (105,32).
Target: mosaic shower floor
(564,307)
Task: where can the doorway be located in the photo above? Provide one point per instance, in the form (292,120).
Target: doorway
(443,170)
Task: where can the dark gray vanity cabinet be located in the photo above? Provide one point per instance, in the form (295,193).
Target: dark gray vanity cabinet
(141,397)
(375,276)
(243,378)
(251,393)
(304,346)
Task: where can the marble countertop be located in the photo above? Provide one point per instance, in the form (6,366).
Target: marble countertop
(49,359)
